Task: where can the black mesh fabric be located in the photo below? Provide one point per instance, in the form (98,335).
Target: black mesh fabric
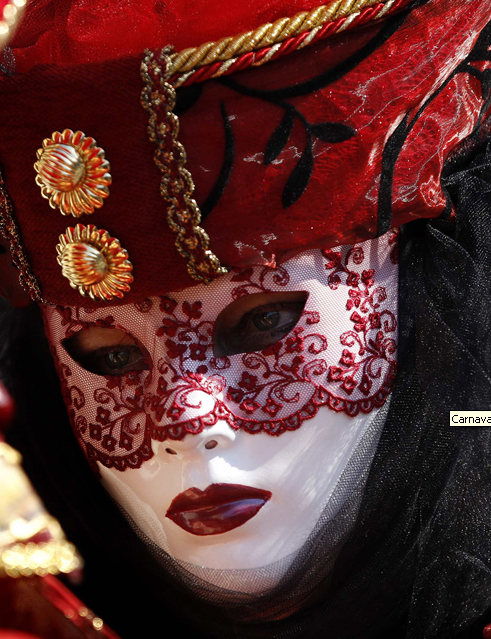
(417,562)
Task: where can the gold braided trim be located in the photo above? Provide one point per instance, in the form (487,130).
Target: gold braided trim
(271,34)
(49,557)
(10,231)
(176,187)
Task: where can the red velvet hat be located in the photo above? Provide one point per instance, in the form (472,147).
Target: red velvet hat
(294,126)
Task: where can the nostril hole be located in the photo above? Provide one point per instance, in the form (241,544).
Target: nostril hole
(170,451)
(211,444)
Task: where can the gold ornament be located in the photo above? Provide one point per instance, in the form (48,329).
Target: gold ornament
(94,262)
(22,519)
(73,173)
(46,557)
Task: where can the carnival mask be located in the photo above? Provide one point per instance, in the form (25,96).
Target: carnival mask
(221,417)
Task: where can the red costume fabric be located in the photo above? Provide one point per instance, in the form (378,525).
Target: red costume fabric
(43,608)
(337,146)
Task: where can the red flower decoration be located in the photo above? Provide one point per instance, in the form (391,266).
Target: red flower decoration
(355,299)
(198,352)
(272,349)
(103,415)
(359,321)
(374,319)
(348,385)
(114,381)
(335,374)
(347,358)
(367,277)
(334,256)
(235,395)
(169,327)
(126,442)
(109,443)
(175,411)
(248,381)
(271,407)
(95,432)
(158,409)
(132,378)
(249,405)
(192,310)
(294,343)
(167,304)
(175,350)
(353,279)
(365,385)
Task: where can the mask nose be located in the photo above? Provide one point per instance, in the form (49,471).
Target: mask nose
(209,442)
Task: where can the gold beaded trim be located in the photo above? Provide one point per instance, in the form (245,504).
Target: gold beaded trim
(49,557)
(176,187)
(271,35)
(10,231)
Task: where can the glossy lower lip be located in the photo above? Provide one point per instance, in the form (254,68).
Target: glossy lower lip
(217,509)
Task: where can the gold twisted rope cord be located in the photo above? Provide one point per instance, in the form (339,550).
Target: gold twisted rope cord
(270,34)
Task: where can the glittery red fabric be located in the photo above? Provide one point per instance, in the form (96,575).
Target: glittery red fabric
(328,146)
(95,30)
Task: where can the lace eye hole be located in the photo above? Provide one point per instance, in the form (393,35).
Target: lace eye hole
(106,351)
(253,322)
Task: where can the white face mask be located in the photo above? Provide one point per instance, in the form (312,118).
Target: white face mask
(224,419)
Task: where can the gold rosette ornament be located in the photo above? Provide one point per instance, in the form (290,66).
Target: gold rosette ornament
(94,262)
(73,173)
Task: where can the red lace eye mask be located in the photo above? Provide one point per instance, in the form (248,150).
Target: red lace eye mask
(341,354)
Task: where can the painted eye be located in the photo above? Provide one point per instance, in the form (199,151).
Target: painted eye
(110,361)
(106,352)
(266,321)
(256,321)
(120,360)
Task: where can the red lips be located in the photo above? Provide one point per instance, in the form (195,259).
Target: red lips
(217,509)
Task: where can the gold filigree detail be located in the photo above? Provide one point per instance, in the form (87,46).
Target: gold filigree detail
(94,262)
(176,187)
(73,173)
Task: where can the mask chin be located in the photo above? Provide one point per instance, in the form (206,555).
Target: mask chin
(316,479)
